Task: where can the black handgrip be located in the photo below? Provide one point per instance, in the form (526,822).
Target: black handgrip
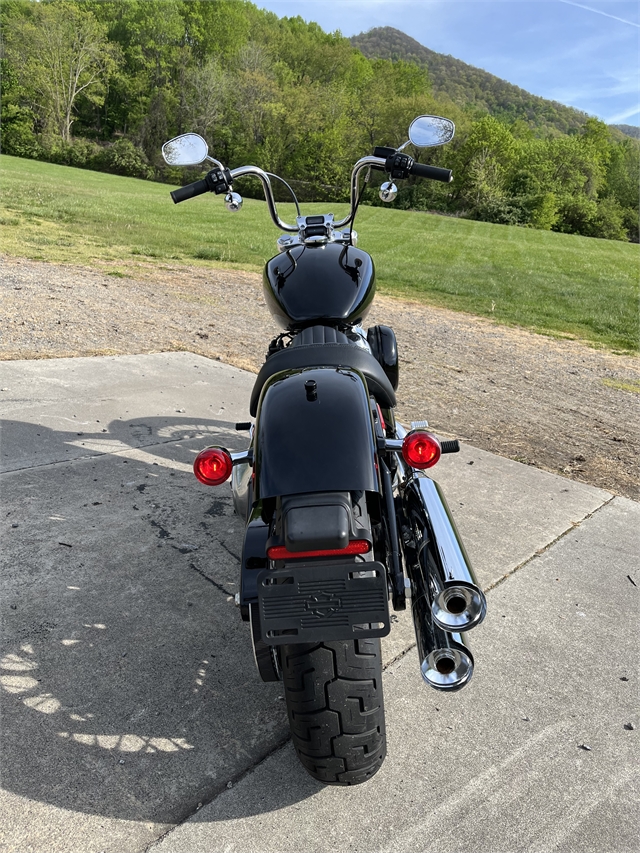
(433,172)
(189,191)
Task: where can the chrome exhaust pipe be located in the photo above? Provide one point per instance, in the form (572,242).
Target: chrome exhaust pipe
(446,662)
(449,666)
(457,602)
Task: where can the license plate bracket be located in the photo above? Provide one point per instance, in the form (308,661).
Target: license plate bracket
(322,602)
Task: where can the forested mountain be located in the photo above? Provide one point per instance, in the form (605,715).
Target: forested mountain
(628,130)
(471,87)
(102,84)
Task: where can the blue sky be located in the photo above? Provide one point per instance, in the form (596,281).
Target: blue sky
(581,54)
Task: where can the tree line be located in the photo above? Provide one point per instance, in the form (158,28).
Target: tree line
(103,83)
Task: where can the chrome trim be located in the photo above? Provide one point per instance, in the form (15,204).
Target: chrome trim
(255,171)
(286,242)
(244,171)
(348,238)
(363,341)
(214,161)
(388,191)
(240,479)
(446,663)
(233,202)
(363,163)
(458,603)
(453,655)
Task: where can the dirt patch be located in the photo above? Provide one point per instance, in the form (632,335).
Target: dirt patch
(556,404)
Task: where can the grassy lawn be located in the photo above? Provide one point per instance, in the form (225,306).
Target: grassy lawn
(553,283)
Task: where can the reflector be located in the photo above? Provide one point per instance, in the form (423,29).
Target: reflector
(357,546)
(213,466)
(421,449)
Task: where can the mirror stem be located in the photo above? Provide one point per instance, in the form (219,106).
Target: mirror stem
(214,161)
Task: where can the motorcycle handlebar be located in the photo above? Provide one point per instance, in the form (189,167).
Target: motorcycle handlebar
(421,171)
(243,171)
(364,163)
(434,172)
(189,191)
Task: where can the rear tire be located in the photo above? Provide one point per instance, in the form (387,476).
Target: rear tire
(336,713)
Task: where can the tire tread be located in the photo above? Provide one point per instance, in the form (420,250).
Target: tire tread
(334,700)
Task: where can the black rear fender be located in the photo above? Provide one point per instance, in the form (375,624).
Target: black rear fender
(314,433)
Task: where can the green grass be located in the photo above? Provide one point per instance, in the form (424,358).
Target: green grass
(558,284)
(630,387)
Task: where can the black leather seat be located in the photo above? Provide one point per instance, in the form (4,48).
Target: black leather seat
(323,346)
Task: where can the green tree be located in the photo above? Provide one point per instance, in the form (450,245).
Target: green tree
(143,99)
(204,99)
(391,96)
(577,215)
(60,54)
(18,121)
(484,162)
(542,210)
(215,29)
(610,220)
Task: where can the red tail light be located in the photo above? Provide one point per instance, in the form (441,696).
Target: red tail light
(421,449)
(358,546)
(212,466)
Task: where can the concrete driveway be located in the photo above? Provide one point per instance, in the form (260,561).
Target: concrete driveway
(132,714)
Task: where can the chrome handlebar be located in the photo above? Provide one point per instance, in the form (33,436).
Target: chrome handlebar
(243,171)
(364,163)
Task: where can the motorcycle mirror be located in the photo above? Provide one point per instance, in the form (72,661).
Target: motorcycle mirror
(186,150)
(427,131)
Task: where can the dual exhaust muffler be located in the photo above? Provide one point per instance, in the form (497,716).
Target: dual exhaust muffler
(446,600)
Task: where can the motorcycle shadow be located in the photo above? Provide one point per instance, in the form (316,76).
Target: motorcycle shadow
(127,677)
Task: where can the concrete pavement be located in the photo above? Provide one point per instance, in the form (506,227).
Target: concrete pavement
(128,685)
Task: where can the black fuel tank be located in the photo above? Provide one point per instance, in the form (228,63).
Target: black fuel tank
(329,284)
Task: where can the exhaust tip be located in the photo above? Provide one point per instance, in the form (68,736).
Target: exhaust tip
(447,669)
(459,608)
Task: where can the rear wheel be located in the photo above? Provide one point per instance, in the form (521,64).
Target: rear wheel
(333,692)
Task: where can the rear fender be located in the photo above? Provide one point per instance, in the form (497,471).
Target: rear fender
(314,439)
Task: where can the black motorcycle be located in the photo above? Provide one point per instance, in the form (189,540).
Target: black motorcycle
(340,517)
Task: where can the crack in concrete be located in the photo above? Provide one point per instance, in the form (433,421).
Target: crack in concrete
(546,547)
(211,580)
(229,551)
(220,789)
(399,657)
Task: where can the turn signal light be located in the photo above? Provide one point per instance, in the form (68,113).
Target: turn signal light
(421,449)
(357,546)
(212,466)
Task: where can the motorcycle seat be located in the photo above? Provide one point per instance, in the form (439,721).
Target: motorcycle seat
(324,346)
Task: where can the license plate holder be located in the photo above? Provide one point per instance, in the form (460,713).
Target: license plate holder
(318,602)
